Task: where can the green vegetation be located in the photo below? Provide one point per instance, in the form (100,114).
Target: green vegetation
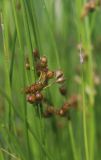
(68,34)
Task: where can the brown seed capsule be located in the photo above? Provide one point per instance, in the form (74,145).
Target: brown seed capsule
(36,54)
(50,109)
(62,112)
(31,99)
(60,80)
(39,96)
(58,74)
(27,65)
(38,86)
(63,90)
(43,61)
(27,90)
(50,74)
(32,88)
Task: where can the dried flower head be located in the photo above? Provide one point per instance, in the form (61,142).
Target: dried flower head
(60,80)
(63,90)
(43,61)
(58,74)
(50,74)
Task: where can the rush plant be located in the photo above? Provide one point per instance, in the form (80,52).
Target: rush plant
(50,65)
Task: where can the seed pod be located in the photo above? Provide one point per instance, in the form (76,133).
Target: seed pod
(58,74)
(38,86)
(34,88)
(60,80)
(43,61)
(31,99)
(27,90)
(62,112)
(39,96)
(50,74)
(49,111)
(63,90)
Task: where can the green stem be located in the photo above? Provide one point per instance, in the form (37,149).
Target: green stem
(75,154)
(84,118)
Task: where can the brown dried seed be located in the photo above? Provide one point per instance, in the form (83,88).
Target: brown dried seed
(38,86)
(43,61)
(32,88)
(39,96)
(63,90)
(60,80)
(50,109)
(27,90)
(50,74)
(58,74)
(62,112)
(31,99)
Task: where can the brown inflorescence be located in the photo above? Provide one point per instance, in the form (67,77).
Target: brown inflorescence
(34,92)
(63,110)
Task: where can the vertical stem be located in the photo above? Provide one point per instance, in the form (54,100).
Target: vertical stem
(75,153)
(84,119)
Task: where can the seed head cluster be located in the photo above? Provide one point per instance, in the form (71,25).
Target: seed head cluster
(34,92)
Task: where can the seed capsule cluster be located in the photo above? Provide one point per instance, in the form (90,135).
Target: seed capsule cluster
(63,110)
(34,92)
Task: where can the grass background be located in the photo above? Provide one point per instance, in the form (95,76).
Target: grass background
(55,28)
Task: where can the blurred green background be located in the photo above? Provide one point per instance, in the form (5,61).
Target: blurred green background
(55,28)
